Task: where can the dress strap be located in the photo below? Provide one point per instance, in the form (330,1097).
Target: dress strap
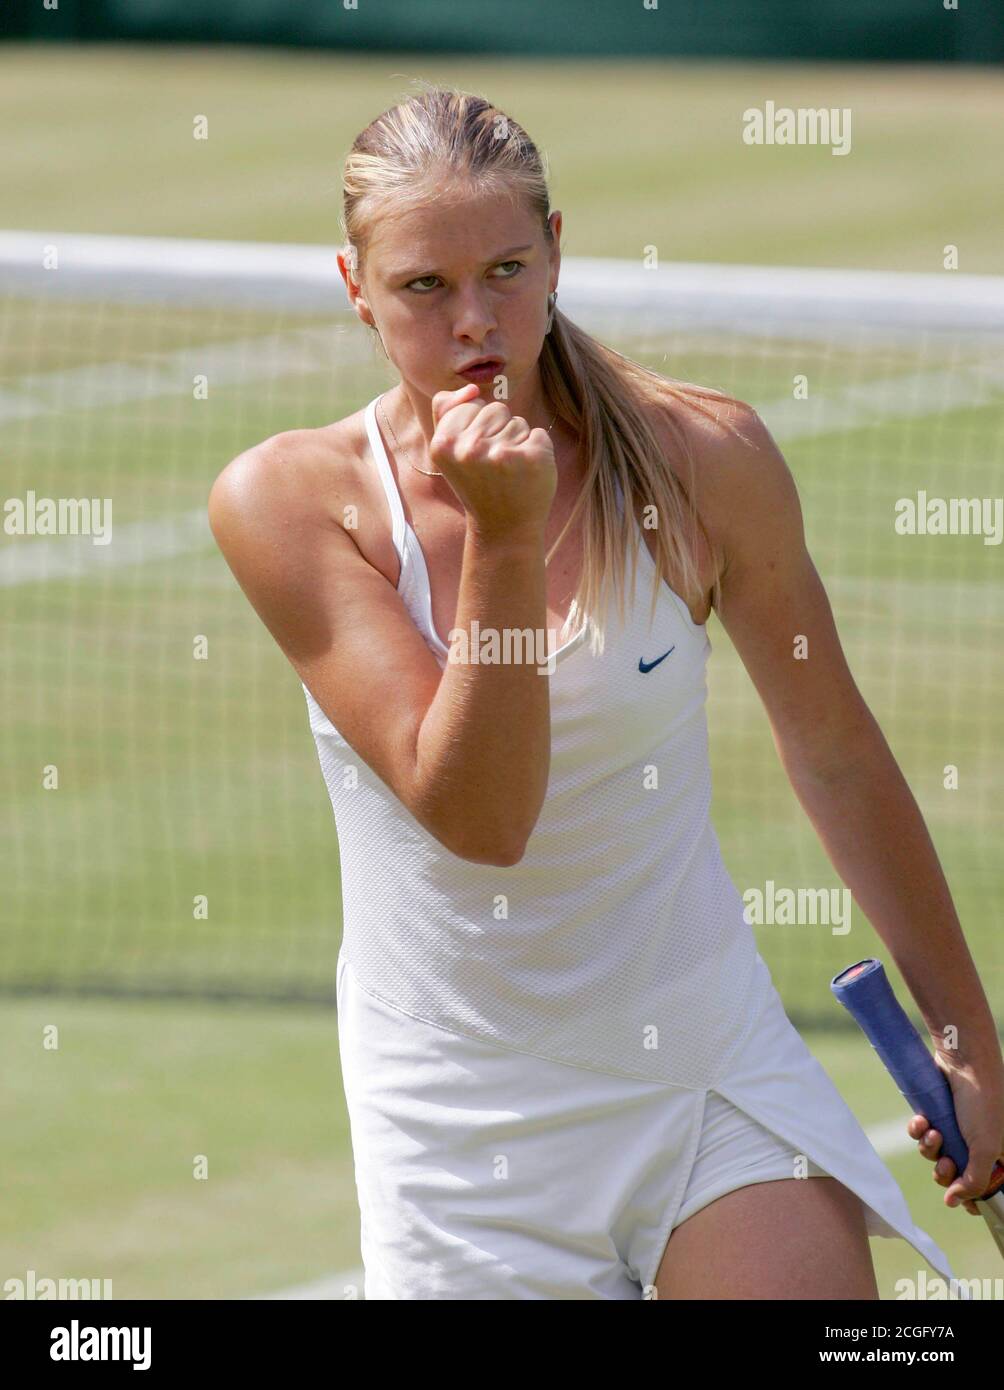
(379,452)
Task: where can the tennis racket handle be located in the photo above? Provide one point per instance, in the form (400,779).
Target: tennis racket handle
(867,995)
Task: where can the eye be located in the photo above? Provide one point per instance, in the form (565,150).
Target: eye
(429,288)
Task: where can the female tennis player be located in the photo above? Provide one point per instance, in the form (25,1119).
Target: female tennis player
(567,1070)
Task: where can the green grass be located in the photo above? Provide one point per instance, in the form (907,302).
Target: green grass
(180,777)
(641,153)
(105,1136)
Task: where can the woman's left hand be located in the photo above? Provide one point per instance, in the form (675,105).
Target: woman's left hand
(978,1093)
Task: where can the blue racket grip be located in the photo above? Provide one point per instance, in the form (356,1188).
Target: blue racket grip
(866,994)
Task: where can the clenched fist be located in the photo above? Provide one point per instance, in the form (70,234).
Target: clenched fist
(502,470)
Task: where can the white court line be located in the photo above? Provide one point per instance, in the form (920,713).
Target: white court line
(890,1137)
(134,543)
(868,403)
(234,362)
(887,1138)
(333,1286)
(825,303)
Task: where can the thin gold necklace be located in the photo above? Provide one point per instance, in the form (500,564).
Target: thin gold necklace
(426,471)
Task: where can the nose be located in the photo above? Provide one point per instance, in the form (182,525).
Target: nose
(473,318)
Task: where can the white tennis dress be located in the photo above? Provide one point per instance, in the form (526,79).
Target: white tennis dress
(549,1066)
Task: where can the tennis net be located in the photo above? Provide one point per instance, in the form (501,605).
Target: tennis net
(166,826)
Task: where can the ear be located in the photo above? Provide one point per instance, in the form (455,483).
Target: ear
(348,262)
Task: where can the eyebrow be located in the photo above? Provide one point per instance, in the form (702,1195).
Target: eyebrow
(421,272)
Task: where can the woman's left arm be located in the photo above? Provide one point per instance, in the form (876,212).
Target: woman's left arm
(776,612)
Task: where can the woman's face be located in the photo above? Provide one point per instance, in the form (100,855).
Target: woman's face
(460,278)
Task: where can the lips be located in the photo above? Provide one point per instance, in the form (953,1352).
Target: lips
(481,364)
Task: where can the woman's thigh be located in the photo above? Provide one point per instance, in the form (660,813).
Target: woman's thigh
(791,1238)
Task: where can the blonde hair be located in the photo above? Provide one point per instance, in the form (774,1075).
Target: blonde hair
(598,392)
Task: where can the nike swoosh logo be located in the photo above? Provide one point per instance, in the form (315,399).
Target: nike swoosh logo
(646,666)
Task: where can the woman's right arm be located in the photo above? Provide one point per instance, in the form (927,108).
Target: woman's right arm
(467,748)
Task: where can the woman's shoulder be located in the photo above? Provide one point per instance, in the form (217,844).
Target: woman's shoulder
(299,469)
(339,445)
(724,438)
(715,425)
